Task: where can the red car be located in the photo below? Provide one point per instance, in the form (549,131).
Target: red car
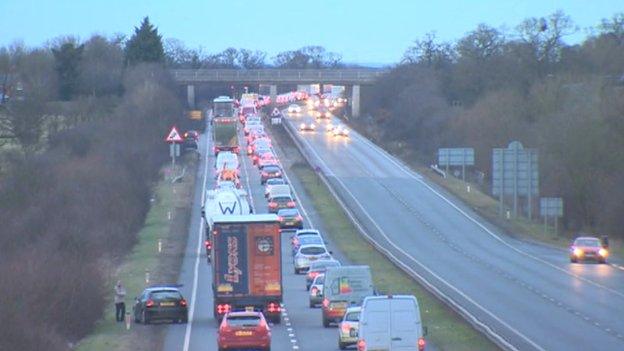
(244,330)
(588,248)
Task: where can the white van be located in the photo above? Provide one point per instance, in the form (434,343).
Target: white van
(391,323)
(345,286)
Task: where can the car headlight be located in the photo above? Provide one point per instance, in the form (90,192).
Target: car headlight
(312,126)
(603,252)
(578,252)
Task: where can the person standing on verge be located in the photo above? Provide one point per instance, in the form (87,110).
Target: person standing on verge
(120,305)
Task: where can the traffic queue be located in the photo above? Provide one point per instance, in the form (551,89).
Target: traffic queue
(340,290)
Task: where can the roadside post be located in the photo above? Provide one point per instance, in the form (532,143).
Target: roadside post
(128,320)
(551,207)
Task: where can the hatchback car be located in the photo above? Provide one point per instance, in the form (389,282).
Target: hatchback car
(280,202)
(588,248)
(316,291)
(348,328)
(295,239)
(244,330)
(269,172)
(308,240)
(308,254)
(160,302)
(270,183)
(289,218)
(317,268)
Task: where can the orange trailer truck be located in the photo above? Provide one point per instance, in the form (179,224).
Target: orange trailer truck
(247,265)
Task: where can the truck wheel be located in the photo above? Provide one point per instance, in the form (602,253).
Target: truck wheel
(325,323)
(277,319)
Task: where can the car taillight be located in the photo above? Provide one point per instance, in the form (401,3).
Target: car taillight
(273,307)
(224,308)
(208,244)
(265,174)
(149,303)
(361,345)
(345,328)
(183,303)
(280,218)
(313,274)
(277,174)
(272,204)
(325,303)
(290,204)
(421,344)
(299,218)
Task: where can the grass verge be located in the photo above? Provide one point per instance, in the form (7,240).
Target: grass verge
(166,220)
(447,330)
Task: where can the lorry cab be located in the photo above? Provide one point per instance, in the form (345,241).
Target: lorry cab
(390,323)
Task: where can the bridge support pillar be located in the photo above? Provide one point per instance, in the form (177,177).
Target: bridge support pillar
(355,101)
(273,93)
(190,96)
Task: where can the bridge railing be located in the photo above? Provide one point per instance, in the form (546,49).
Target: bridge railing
(277,75)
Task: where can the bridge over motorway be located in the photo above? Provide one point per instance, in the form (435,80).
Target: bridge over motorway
(352,78)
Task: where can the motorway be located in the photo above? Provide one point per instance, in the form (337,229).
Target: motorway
(526,296)
(301,327)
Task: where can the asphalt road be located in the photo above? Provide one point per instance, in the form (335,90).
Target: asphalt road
(301,327)
(527,296)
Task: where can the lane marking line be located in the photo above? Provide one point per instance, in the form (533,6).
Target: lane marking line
(458,306)
(419,178)
(189,324)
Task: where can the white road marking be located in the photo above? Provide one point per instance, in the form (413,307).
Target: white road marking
(458,306)
(419,178)
(189,324)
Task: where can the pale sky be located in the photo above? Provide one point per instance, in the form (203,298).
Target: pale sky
(362,31)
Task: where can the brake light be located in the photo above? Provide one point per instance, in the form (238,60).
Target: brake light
(299,218)
(149,303)
(313,274)
(183,303)
(290,204)
(273,307)
(208,244)
(265,174)
(272,204)
(325,303)
(361,345)
(421,344)
(345,328)
(224,308)
(280,218)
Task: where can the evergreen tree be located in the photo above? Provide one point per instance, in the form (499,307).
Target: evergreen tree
(67,58)
(145,45)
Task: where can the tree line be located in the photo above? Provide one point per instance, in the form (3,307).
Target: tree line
(83,124)
(493,86)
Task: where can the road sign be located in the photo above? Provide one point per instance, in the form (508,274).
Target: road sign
(456,157)
(174,136)
(515,172)
(551,207)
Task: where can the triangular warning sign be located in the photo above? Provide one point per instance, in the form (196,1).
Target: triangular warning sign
(174,136)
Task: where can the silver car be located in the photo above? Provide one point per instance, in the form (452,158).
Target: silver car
(309,253)
(316,290)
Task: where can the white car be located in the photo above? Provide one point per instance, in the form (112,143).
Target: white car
(269,184)
(309,253)
(294,109)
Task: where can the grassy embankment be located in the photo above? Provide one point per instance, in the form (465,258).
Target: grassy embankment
(167,220)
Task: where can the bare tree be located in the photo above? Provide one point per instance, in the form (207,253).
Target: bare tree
(545,35)
(429,52)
